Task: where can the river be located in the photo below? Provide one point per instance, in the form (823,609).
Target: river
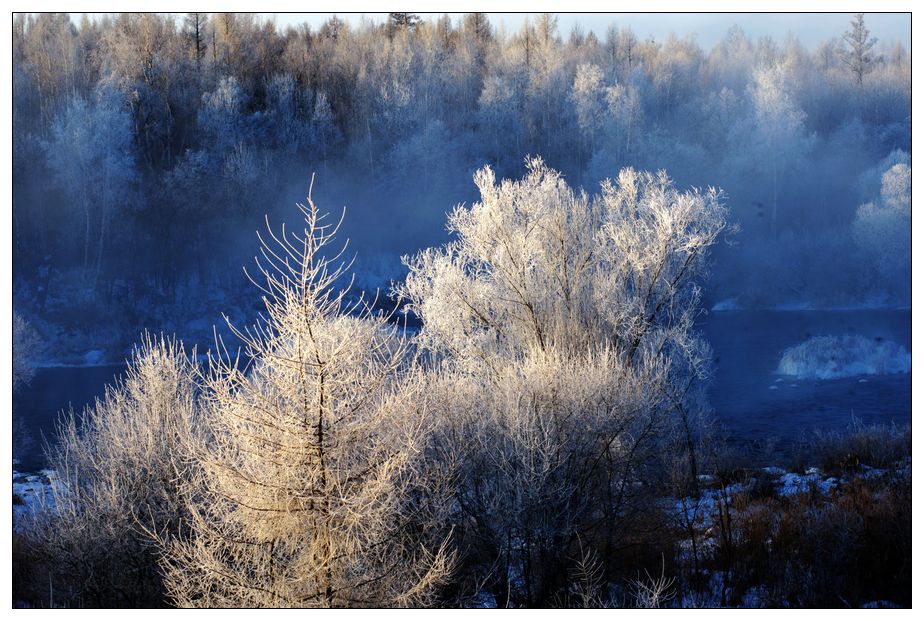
(756,410)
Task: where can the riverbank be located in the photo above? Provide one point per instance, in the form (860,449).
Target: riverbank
(832,532)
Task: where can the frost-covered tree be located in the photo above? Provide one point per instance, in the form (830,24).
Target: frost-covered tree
(52,60)
(548,267)
(619,131)
(324,132)
(859,56)
(288,110)
(195,28)
(589,96)
(675,71)
(621,52)
(221,115)
(402,21)
(91,154)
(564,327)
(772,138)
(118,467)
(236,142)
(883,229)
(313,490)
(237,48)
(477,26)
(731,59)
(499,106)
(147,63)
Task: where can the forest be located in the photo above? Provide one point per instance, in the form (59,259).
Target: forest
(467,367)
(157,144)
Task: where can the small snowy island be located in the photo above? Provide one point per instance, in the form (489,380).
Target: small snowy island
(834,357)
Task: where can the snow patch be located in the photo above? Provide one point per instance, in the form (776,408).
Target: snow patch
(792,483)
(832,357)
(701,510)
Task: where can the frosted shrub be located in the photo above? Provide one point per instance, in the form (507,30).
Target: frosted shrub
(311,488)
(25,349)
(535,265)
(117,468)
(833,357)
(562,327)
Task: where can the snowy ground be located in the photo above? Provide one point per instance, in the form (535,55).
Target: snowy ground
(704,511)
(31,492)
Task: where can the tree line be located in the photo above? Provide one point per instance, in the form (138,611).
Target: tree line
(149,140)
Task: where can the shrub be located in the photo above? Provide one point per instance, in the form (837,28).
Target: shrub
(117,467)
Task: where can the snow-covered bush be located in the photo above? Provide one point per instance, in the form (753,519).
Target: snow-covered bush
(117,469)
(563,329)
(833,357)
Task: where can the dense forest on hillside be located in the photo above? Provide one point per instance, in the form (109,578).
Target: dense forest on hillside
(147,148)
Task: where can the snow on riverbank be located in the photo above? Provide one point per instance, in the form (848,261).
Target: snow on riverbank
(702,510)
(833,357)
(31,492)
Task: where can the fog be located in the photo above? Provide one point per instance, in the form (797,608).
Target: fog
(149,149)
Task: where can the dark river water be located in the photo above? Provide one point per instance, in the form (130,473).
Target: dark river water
(757,408)
(747,346)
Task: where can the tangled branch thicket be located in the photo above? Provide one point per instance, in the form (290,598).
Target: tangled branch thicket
(119,468)
(336,462)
